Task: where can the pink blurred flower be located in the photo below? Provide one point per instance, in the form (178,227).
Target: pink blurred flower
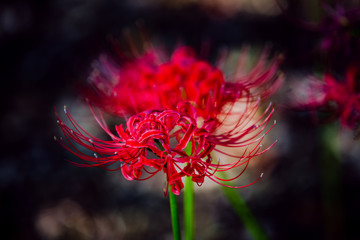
(346,97)
(338,98)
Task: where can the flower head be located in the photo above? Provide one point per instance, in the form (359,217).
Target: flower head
(147,82)
(171,141)
(346,96)
(339,98)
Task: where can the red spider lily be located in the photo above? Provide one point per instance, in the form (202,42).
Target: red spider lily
(146,83)
(341,99)
(157,140)
(346,95)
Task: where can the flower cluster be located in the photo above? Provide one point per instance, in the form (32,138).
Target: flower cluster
(147,83)
(180,112)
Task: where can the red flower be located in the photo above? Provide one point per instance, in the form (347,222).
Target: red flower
(148,83)
(157,140)
(338,98)
(195,106)
(346,97)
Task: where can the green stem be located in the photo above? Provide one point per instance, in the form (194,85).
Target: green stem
(330,165)
(174,215)
(189,209)
(189,203)
(243,211)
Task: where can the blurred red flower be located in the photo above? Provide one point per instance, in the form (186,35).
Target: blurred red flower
(337,98)
(346,96)
(147,82)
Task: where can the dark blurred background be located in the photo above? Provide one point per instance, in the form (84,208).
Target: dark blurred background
(46,52)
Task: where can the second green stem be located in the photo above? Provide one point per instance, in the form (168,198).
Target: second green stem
(238,203)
